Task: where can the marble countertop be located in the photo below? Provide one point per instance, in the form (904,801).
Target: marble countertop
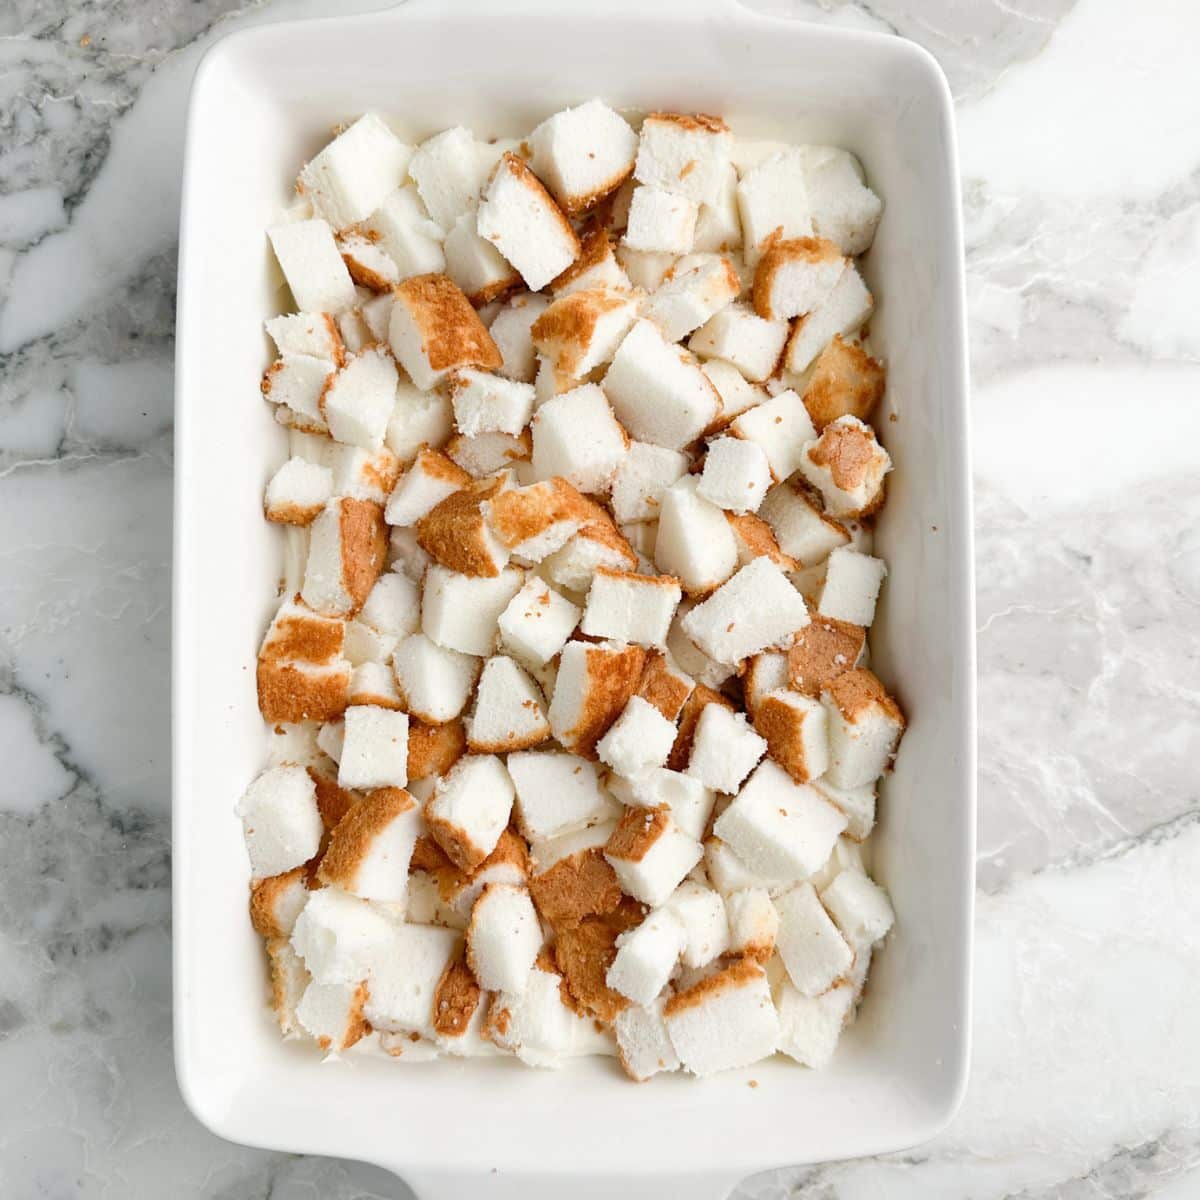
(1080,136)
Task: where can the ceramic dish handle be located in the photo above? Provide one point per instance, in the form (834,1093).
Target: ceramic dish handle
(521,1186)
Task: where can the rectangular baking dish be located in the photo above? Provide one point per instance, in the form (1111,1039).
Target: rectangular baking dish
(265,100)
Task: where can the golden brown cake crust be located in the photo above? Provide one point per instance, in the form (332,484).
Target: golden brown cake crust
(434,749)
(738,974)
(859,691)
(777,255)
(581,885)
(637,832)
(333,802)
(288,693)
(364,547)
(455,999)
(451,331)
(846,381)
(584,952)
(824,649)
(663,687)
(452,532)
(689,717)
(264,896)
(355,834)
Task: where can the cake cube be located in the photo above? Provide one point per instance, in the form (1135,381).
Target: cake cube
(533,522)
(434,682)
(374,684)
(455,532)
(598,544)
(661,222)
(640,737)
(753,923)
(583,154)
(736,474)
(296,382)
(643,1045)
(427,482)
(462,612)
(641,478)
(307,335)
(511,333)
(698,286)
(688,800)
(349,179)
(521,219)
(596,267)
(459,1009)
(701,913)
(595,682)
(449,173)
(276,901)
(658,391)
(312,266)
(793,277)
(419,419)
(737,393)
(289,980)
(332,1014)
(509,713)
(782,427)
(664,685)
(486,403)
(813,951)
(845,310)
(581,330)
(765,673)
(727,873)
(298,492)
(646,956)
(650,855)
(860,907)
(865,725)
(503,939)
(857,803)
(773,200)
(725,1020)
(362,474)
(404,977)
(280,820)
(475,264)
(338,935)
(803,531)
(852,583)
(536,1026)
(370,848)
(740,336)
(576,437)
(684,153)
(704,671)
(645,269)
(846,381)
(809,1026)
(573,880)
(843,208)
(375,750)
(537,622)
(847,466)
(411,239)
(469,809)
(434,331)
(405,556)
(630,608)
(358,403)
(777,827)
(796,730)
(695,543)
(491,453)
(346,553)
(557,793)
(370,267)
(719,224)
(724,749)
(755,609)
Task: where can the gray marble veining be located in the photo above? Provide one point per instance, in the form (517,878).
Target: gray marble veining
(1081,188)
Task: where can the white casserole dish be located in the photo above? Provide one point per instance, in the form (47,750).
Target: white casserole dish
(264,100)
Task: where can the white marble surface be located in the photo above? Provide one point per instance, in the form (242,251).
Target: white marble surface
(1080,128)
